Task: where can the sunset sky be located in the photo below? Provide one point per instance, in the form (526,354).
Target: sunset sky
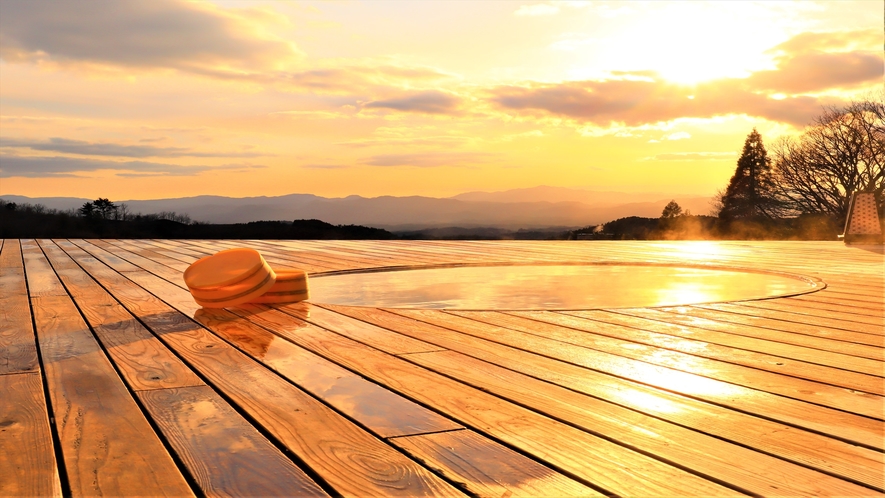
(165,98)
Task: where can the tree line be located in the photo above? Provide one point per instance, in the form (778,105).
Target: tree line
(800,191)
(841,152)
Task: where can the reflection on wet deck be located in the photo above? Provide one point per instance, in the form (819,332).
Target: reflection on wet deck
(552,287)
(546,373)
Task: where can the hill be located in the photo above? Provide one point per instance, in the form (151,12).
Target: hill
(539,207)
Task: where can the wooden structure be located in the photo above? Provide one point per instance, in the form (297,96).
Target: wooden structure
(862,225)
(114,382)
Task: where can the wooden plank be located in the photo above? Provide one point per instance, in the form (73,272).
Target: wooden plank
(807,335)
(566,329)
(378,409)
(350,460)
(41,279)
(790,319)
(845,321)
(383,412)
(595,460)
(18,347)
(486,468)
(742,468)
(27,457)
(108,446)
(757,341)
(784,441)
(298,250)
(852,311)
(277,258)
(358,330)
(839,303)
(224,453)
(133,247)
(820,366)
(845,426)
(140,262)
(143,361)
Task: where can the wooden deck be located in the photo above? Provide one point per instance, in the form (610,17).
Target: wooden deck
(114,382)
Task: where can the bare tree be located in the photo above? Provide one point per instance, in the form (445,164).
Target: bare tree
(123,213)
(842,152)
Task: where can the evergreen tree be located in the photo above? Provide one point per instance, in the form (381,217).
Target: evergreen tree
(751,192)
(87,210)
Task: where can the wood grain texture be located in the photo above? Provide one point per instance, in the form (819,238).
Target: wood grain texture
(109,448)
(791,314)
(853,317)
(608,465)
(18,348)
(567,329)
(488,469)
(381,411)
(144,362)
(848,427)
(27,457)
(349,459)
(808,335)
(224,453)
(746,469)
(686,375)
(42,280)
(361,331)
(805,448)
(819,366)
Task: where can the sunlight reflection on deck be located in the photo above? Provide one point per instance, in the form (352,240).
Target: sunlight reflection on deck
(549,287)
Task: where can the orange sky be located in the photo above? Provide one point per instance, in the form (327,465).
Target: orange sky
(166,98)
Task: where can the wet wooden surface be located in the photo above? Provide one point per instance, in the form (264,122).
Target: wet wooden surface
(115,382)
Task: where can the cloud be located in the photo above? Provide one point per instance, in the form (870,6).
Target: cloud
(642,97)
(312,114)
(695,156)
(429,102)
(642,102)
(39,167)
(430,160)
(866,39)
(133,33)
(817,61)
(679,135)
(809,72)
(324,166)
(80,147)
(540,9)
(428,141)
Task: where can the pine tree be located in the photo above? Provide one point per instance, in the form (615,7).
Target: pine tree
(671,210)
(750,193)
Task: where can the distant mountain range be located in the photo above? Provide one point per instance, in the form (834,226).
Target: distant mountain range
(536,207)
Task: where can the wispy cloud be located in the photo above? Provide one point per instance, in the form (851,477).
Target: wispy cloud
(431,159)
(694,156)
(679,135)
(430,102)
(811,72)
(324,166)
(642,102)
(132,33)
(80,147)
(55,166)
